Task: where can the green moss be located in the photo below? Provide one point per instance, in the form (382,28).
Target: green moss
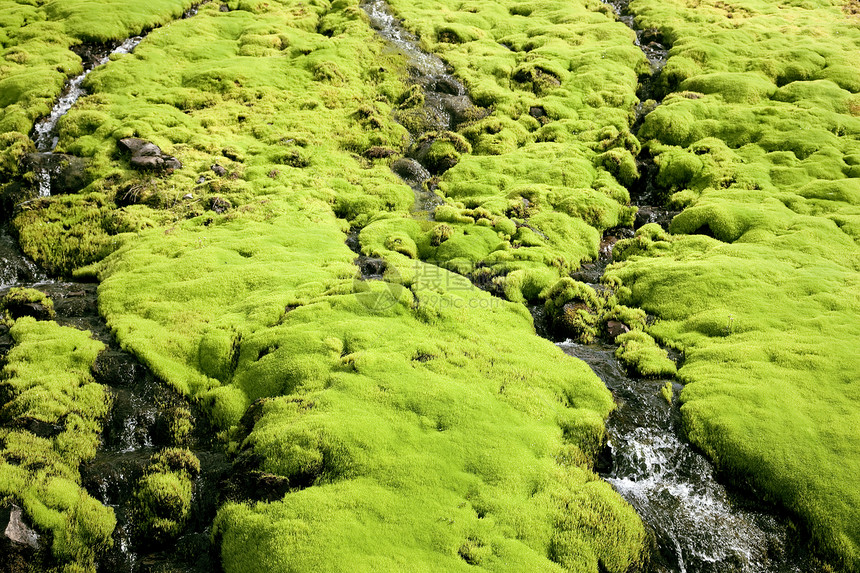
(47,379)
(667,391)
(639,351)
(17,297)
(162,497)
(419,421)
(757,283)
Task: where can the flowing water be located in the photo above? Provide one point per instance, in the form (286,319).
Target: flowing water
(141,405)
(135,429)
(696,523)
(45,134)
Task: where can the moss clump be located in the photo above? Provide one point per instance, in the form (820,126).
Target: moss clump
(639,351)
(390,403)
(21,301)
(667,391)
(51,423)
(163,495)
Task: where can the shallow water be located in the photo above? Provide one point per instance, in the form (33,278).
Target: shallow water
(45,134)
(699,526)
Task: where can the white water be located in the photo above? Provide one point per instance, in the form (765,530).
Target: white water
(699,527)
(408,43)
(45,131)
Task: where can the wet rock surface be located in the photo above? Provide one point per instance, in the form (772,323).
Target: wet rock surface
(145,417)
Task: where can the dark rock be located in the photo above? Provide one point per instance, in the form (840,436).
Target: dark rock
(37,310)
(447,85)
(172,163)
(219,204)
(606,245)
(647,215)
(371,267)
(146,162)
(377,152)
(219,170)
(615,328)
(14,194)
(410,170)
(147,156)
(650,35)
(115,368)
(133,145)
(16,530)
(39,428)
(68,173)
(461,109)
(224,8)
(537,112)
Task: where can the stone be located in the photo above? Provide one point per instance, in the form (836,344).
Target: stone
(219,170)
(615,328)
(16,530)
(147,156)
(606,246)
(219,204)
(410,170)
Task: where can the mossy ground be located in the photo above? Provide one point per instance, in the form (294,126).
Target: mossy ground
(758,283)
(547,164)
(418,421)
(51,421)
(411,409)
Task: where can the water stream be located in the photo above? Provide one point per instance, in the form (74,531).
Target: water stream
(697,525)
(45,134)
(141,404)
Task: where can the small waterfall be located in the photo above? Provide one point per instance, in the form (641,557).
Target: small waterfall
(699,525)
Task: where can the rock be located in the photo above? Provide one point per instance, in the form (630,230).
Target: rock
(172,163)
(146,162)
(537,112)
(219,204)
(657,215)
(615,328)
(115,368)
(66,173)
(133,145)
(606,245)
(377,152)
(448,85)
(650,35)
(40,428)
(224,8)
(410,170)
(37,310)
(16,530)
(147,156)
(188,196)
(219,171)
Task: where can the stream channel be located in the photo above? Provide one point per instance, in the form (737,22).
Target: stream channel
(696,524)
